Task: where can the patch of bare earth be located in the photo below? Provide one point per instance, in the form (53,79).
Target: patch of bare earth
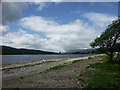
(62,78)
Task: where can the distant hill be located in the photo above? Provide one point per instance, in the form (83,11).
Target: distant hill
(6,50)
(81,51)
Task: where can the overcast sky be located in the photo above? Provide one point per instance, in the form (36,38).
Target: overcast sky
(53,26)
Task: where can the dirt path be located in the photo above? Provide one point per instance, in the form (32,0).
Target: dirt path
(30,77)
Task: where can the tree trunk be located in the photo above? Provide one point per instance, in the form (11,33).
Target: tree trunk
(111,57)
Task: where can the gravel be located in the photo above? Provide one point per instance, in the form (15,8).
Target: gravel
(30,77)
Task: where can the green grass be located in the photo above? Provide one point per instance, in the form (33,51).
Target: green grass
(106,75)
(63,66)
(104,57)
(96,57)
(69,64)
(57,67)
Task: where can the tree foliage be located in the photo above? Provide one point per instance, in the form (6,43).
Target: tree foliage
(109,40)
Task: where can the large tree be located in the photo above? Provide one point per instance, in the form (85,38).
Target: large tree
(109,40)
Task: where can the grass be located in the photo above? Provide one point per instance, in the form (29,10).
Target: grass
(63,66)
(102,75)
(98,75)
(57,67)
(76,61)
(104,57)
(68,64)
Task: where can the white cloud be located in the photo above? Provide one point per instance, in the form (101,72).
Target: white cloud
(3,29)
(73,35)
(99,20)
(22,39)
(38,23)
(59,37)
(40,5)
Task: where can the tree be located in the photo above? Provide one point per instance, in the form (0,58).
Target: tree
(109,40)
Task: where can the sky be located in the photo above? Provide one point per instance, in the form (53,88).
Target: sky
(54,26)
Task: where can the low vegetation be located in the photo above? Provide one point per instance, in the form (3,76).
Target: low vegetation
(98,75)
(68,64)
(56,67)
(65,65)
(102,75)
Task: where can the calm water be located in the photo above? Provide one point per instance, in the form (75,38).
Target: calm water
(10,59)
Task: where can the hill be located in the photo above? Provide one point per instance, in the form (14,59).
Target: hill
(81,51)
(6,50)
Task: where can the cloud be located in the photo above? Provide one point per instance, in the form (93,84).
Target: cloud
(73,35)
(38,5)
(76,34)
(99,20)
(22,39)
(41,5)
(11,11)
(3,30)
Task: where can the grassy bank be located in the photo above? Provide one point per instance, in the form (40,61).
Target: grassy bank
(65,65)
(98,75)
(101,75)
